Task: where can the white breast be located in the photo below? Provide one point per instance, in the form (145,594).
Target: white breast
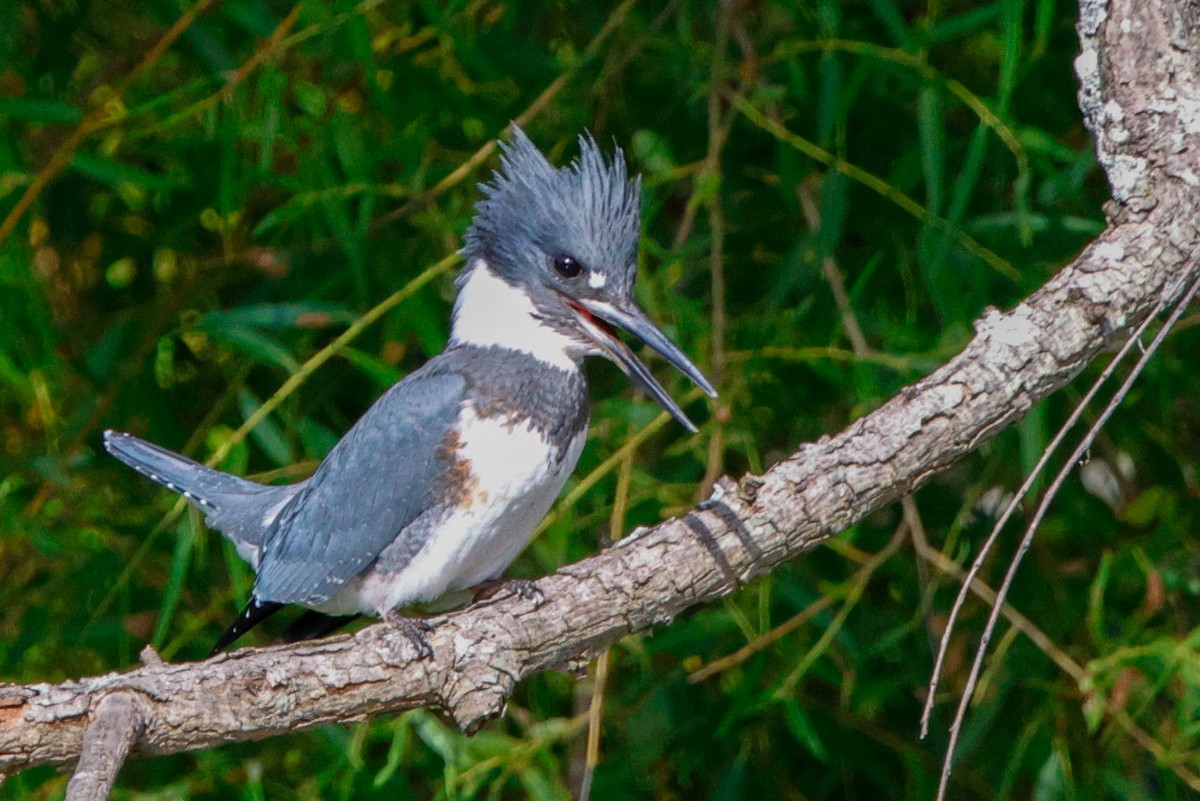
(512,484)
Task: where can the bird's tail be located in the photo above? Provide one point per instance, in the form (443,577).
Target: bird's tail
(199,484)
(241,509)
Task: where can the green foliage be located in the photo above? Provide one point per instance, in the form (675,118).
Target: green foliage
(232,204)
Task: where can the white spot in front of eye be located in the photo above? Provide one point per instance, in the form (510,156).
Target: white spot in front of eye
(597,279)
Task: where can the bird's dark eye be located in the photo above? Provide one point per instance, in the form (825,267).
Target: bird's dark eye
(567,266)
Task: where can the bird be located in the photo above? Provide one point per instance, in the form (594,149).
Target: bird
(441,483)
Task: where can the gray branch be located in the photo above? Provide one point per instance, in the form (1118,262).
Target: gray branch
(1141,98)
(116,724)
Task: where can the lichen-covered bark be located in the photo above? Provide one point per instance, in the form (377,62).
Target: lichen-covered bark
(1139,95)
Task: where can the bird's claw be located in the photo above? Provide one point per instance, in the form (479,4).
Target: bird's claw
(525,589)
(414,630)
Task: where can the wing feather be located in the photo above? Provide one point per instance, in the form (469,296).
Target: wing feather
(380,477)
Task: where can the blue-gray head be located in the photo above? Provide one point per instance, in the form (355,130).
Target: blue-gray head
(567,238)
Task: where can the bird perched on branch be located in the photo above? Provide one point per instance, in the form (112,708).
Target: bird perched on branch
(439,486)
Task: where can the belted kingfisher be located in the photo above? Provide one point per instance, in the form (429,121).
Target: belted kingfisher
(439,486)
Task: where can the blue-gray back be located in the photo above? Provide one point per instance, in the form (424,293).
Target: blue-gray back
(374,483)
(399,460)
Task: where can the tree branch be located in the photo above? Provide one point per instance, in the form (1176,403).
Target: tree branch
(1140,95)
(116,724)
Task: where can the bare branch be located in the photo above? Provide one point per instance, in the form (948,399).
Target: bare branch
(116,725)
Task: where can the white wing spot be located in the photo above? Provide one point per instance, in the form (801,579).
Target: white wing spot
(173,487)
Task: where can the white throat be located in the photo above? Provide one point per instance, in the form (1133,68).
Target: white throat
(491,312)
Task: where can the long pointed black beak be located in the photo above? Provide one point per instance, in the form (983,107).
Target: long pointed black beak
(599,319)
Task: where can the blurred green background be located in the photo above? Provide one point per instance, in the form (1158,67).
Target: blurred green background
(833,192)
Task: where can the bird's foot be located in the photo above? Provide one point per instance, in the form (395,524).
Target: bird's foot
(414,630)
(525,589)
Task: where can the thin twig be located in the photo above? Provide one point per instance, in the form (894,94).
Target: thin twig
(1042,641)
(1004,132)
(932,556)
(616,530)
(273,45)
(328,352)
(102,115)
(1019,621)
(833,275)
(485,151)
(595,718)
(542,739)
(622,58)
(540,102)
(269,46)
(719,123)
(1043,507)
(1020,494)
(875,184)
(857,588)
(916,532)
(773,636)
(916,362)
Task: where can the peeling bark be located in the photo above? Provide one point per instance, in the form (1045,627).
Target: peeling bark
(1141,98)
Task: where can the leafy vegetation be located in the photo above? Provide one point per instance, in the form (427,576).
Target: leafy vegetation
(196,237)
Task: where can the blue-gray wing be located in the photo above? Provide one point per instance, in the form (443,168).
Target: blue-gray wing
(372,485)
